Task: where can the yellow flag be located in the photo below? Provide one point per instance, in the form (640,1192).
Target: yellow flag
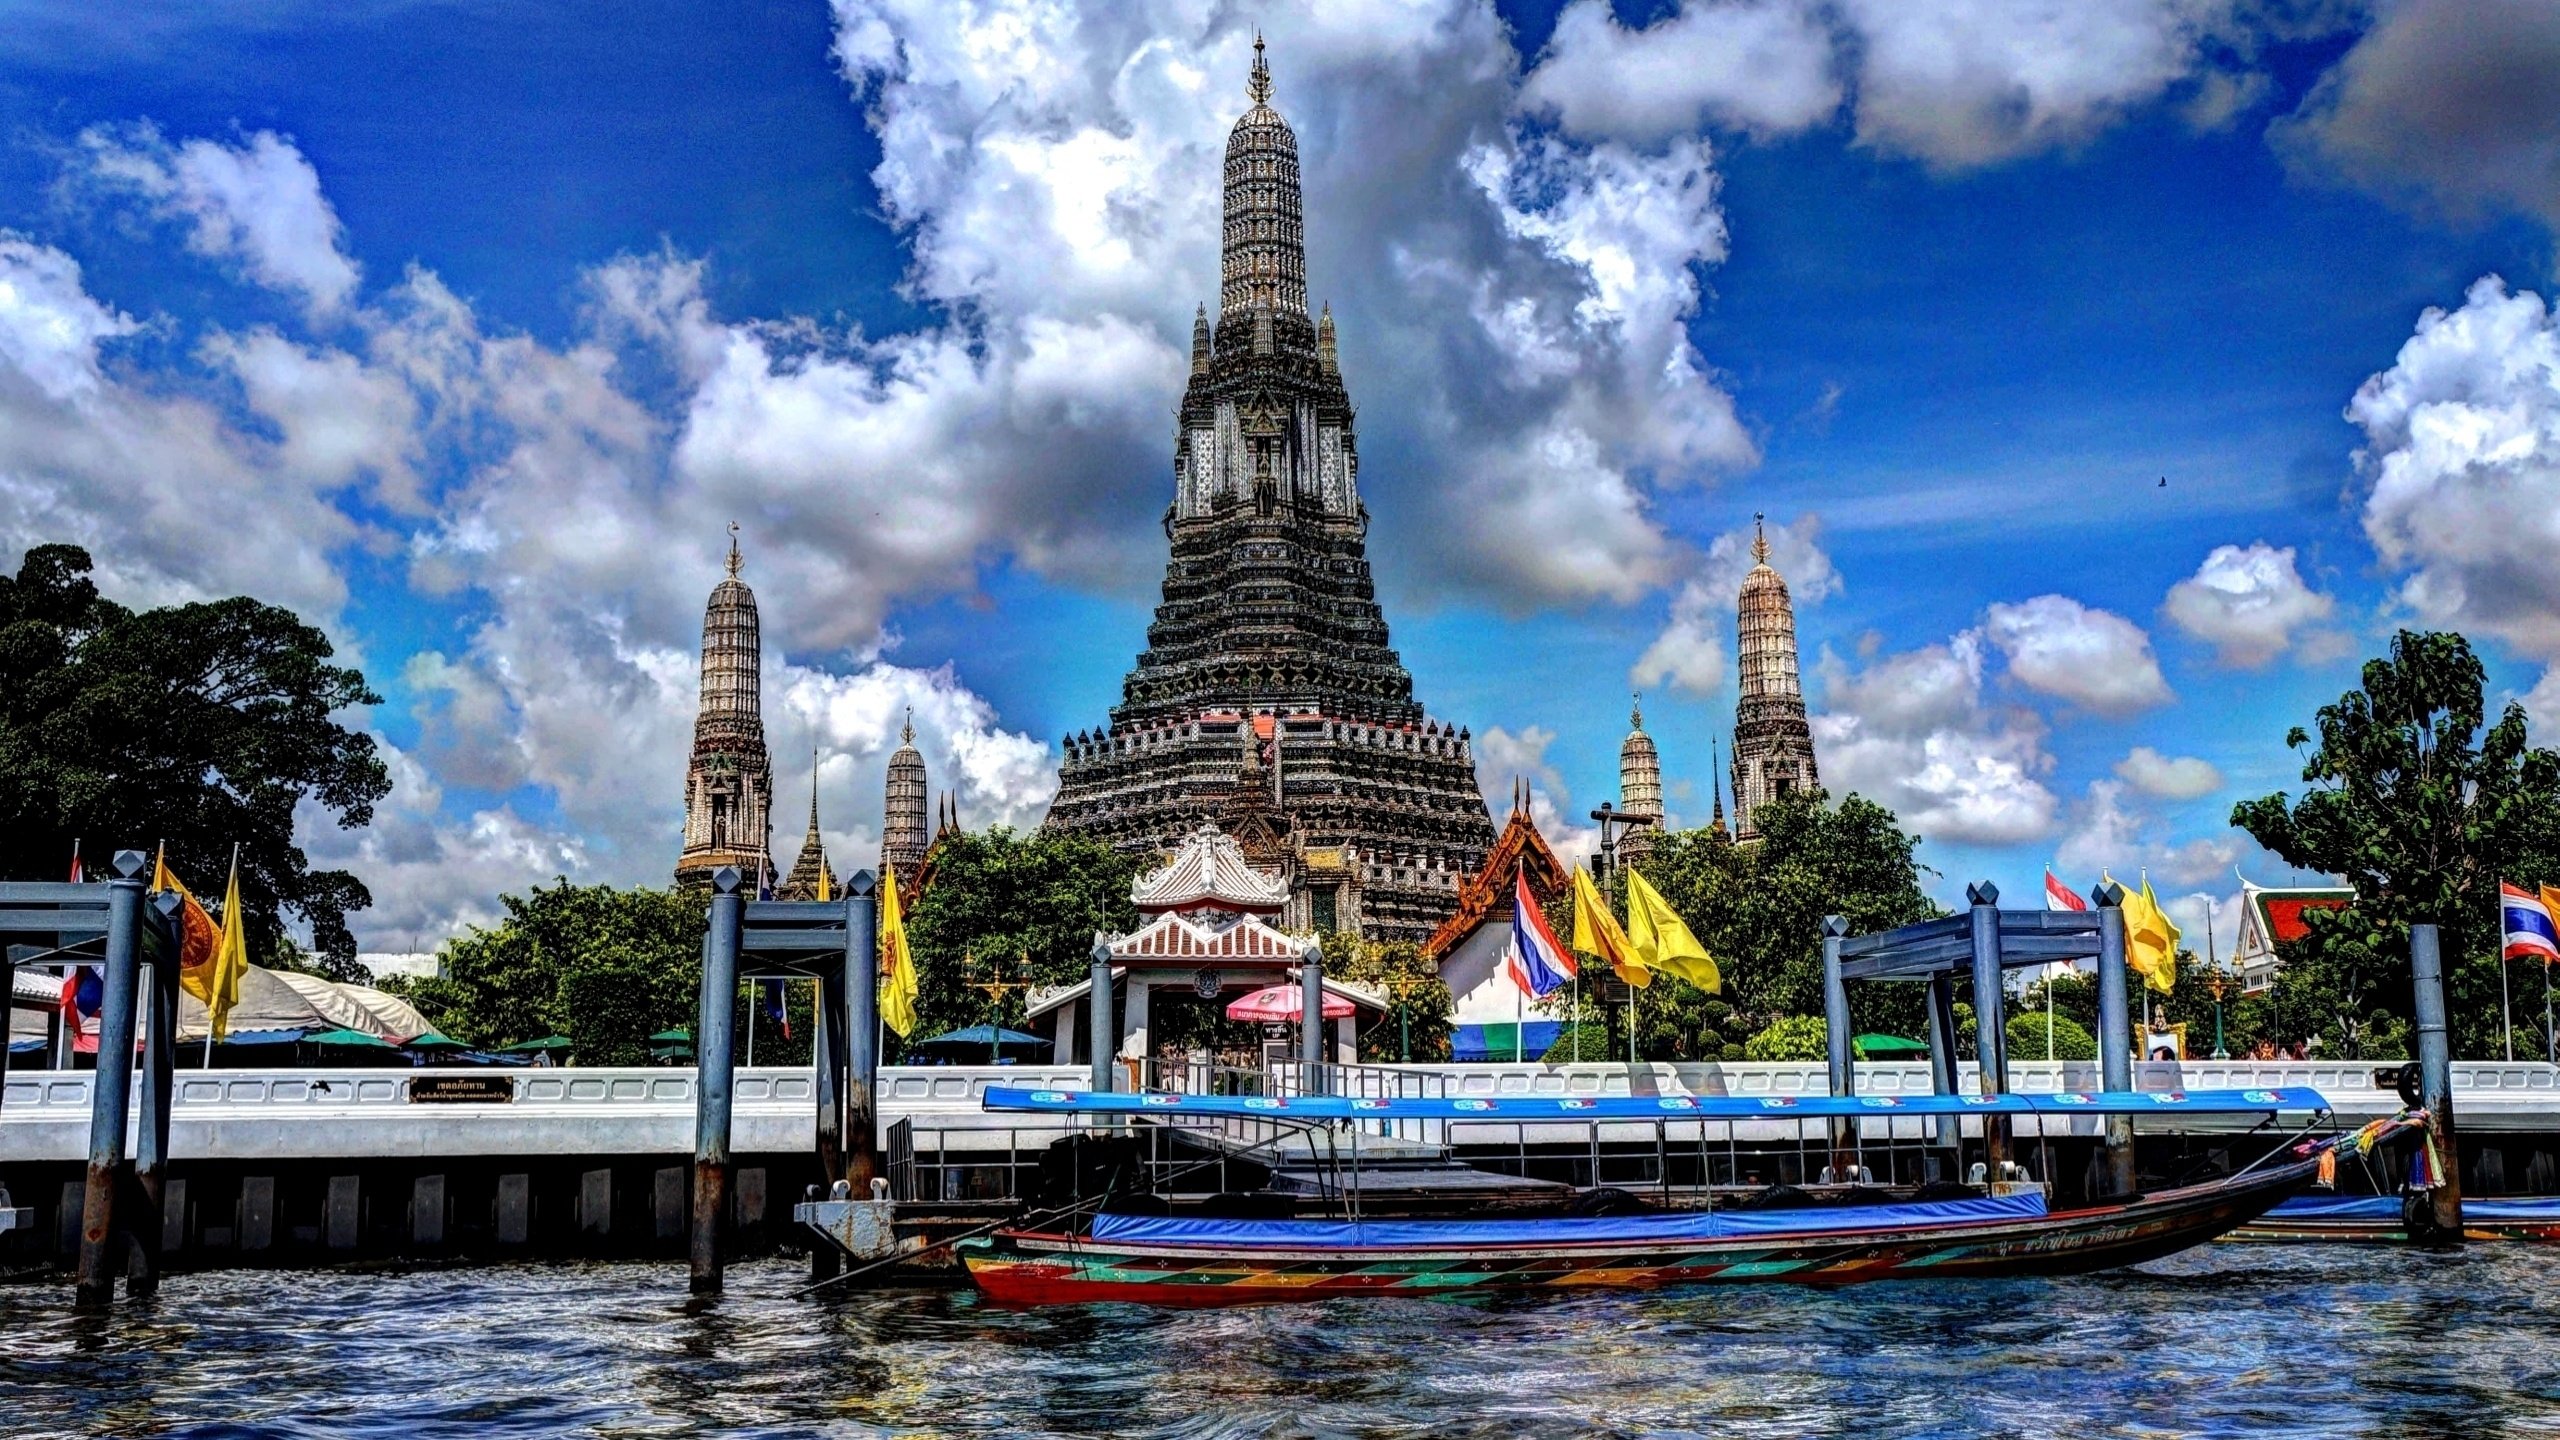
(197,936)
(897,963)
(2150,941)
(1596,932)
(826,892)
(1661,940)
(2551,902)
(230,958)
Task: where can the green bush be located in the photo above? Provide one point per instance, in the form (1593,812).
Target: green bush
(2070,1040)
(1794,1037)
(1594,1041)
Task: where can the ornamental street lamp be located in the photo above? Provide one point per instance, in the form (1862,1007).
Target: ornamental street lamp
(2216,982)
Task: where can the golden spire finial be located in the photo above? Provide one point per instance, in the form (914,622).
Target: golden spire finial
(1637,718)
(1259,86)
(907,734)
(733,549)
(1759,541)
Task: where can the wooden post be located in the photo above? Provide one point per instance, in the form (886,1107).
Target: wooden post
(1990,1022)
(1098,1027)
(1942,1054)
(1311,1021)
(861,1033)
(2115,1033)
(111,1088)
(713,1071)
(149,1225)
(2435,1078)
(1836,1028)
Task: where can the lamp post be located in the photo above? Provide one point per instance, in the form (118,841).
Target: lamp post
(2216,983)
(1612,821)
(1401,985)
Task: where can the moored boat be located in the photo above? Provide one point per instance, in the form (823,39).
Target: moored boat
(1177,1259)
(2376,1219)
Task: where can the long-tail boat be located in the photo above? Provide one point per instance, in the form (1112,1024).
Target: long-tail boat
(1176,1259)
(2383,1219)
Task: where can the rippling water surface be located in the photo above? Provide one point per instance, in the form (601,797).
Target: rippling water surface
(2229,1340)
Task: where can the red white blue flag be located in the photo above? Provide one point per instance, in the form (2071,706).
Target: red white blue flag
(1539,962)
(2527,924)
(2058,896)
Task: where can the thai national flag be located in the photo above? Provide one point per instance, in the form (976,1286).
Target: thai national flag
(2530,935)
(82,990)
(2058,896)
(1539,963)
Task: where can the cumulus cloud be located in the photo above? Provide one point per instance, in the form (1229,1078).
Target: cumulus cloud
(93,455)
(1763,67)
(2095,659)
(1505,756)
(2171,777)
(1953,83)
(2252,605)
(2107,835)
(2450,103)
(1914,732)
(257,204)
(2462,466)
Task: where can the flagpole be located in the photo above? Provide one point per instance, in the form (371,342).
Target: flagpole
(2506,1010)
(2550,1041)
(1577,1014)
(1519,1025)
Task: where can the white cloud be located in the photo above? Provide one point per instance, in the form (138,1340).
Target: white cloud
(95,456)
(2462,460)
(2171,777)
(1914,733)
(2094,658)
(2450,103)
(1763,65)
(1954,83)
(1689,653)
(2108,836)
(257,203)
(2251,605)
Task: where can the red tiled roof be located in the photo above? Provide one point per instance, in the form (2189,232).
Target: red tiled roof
(1487,896)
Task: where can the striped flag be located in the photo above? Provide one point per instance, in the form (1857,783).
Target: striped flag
(76,876)
(1539,963)
(2527,923)
(2058,896)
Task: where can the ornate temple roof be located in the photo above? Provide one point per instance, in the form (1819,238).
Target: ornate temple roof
(811,878)
(902,830)
(1209,869)
(1486,896)
(729,778)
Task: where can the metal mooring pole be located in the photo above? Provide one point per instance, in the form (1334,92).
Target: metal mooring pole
(2435,1076)
(159,1061)
(1098,1025)
(1311,1021)
(2115,1033)
(111,1088)
(1835,1023)
(1990,1022)
(713,1071)
(862,1033)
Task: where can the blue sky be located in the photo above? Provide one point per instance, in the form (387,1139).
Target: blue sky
(465,329)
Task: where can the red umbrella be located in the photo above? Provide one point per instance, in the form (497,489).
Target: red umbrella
(1275,1003)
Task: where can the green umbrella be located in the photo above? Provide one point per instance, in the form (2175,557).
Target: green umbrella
(672,1037)
(547,1042)
(1871,1046)
(430,1040)
(352,1039)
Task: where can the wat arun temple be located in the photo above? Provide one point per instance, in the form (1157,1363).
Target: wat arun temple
(1268,699)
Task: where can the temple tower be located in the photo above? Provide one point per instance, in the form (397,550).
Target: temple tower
(811,878)
(1772,744)
(1268,664)
(729,781)
(902,832)
(1639,785)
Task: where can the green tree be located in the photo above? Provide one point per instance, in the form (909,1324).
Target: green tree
(1758,909)
(1791,1037)
(202,725)
(1388,968)
(1011,907)
(606,967)
(2071,1041)
(2423,810)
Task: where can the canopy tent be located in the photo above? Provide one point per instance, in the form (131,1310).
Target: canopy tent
(433,1041)
(289,1000)
(546,1043)
(343,1039)
(979,1042)
(1286,1004)
(1872,1047)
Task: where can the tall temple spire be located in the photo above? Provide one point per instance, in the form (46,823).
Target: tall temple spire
(1772,743)
(1715,826)
(1270,616)
(1639,783)
(729,779)
(811,878)
(902,830)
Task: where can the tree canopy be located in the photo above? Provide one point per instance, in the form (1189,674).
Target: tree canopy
(1007,907)
(2423,810)
(199,725)
(604,966)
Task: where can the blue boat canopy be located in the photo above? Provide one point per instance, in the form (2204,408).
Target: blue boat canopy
(1663,1107)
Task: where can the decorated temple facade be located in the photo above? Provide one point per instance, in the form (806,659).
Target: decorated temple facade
(1268,699)
(728,785)
(902,828)
(1639,787)
(1772,741)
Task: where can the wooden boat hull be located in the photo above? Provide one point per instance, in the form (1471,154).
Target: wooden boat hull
(1041,1268)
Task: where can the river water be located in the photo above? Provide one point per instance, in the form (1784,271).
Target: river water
(2227,1340)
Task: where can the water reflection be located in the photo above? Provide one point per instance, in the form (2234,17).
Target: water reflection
(2225,1341)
